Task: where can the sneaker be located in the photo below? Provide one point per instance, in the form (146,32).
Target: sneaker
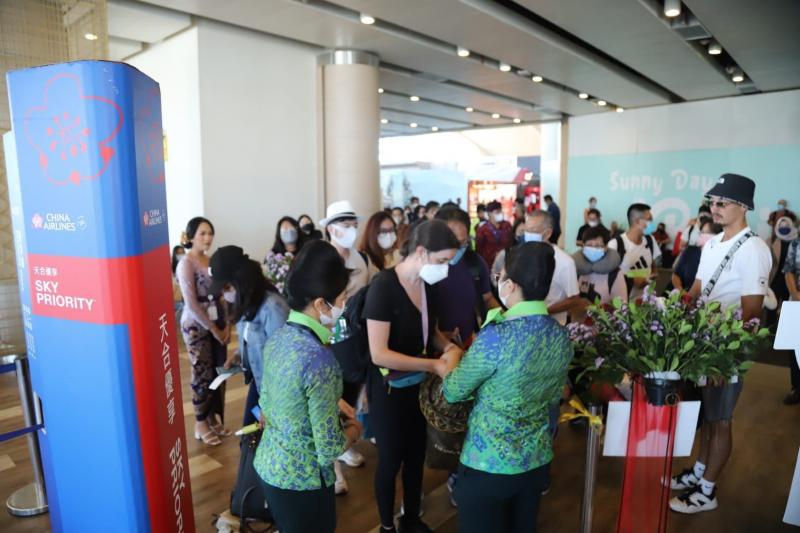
(683,481)
(412,525)
(421,509)
(352,458)
(793,398)
(694,501)
(451,486)
(340,487)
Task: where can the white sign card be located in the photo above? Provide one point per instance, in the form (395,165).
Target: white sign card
(792,515)
(788,337)
(616,433)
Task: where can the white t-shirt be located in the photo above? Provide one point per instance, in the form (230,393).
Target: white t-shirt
(637,257)
(565,282)
(747,273)
(599,284)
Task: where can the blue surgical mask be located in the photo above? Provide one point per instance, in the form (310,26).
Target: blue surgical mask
(533,237)
(593,254)
(781,207)
(459,254)
(651,227)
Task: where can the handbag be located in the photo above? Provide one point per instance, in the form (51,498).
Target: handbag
(247,497)
(447,425)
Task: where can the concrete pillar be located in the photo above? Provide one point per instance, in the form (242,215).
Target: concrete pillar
(351,126)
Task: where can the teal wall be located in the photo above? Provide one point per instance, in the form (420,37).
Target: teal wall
(673,183)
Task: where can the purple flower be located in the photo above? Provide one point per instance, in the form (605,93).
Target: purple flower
(598,362)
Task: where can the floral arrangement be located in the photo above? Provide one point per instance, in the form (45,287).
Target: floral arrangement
(656,335)
(277,268)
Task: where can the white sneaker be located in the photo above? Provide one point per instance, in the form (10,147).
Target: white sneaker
(352,458)
(340,487)
(694,501)
(421,508)
(683,480)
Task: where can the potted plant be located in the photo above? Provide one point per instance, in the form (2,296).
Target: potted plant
(664,340)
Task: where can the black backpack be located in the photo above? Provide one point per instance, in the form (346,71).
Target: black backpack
(473,262)
(351,346)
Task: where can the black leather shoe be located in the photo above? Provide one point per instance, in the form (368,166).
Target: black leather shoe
(412,524)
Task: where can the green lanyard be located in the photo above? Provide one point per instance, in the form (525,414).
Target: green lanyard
(525,308)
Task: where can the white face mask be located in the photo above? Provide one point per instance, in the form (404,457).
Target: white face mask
(398,220)
(230,296)
(347,238)
(289,235)
(503,299)
(593,223)
(178,257)
(533,237)
(387,240)
(433,274)
(593,204)
(330,320)
(498,217)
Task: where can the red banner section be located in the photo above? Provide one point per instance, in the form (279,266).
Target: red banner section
(134,291)
(644,505)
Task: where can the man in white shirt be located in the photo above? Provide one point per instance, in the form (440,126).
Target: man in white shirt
(564,294)
(743,281)
(638,249)
(341,227)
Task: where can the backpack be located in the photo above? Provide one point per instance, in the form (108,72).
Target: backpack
(649,242)
(473,262)
(350,344)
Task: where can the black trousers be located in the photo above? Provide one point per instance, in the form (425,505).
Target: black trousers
(400,432)
(302,511)
(499,502)
(795,370)
(249,403)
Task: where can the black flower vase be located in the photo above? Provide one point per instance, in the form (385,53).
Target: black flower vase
(662,388)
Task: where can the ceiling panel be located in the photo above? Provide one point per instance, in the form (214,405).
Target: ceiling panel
(458,23)
(629,32)
(301,22)
(119,49)
(399,117)
(763,37)
(139,22)
(463,99)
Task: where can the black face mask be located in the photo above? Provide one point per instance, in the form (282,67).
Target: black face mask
(307,228)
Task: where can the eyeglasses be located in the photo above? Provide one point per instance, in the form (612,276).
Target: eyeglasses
(497,277)
(721,204)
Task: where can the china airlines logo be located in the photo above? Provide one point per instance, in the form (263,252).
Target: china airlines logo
(37,221)
(71,148)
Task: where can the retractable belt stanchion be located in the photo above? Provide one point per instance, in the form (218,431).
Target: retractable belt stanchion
(30,500)
(590,471)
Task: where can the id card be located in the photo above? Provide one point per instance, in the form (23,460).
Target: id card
(212,312)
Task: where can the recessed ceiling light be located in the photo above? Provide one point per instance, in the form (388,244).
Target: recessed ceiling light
(384,121)
(620,110)
(434,128)
(601,103)
(90,36)
(414,98)
(737,76)
(505,67)
(537,78)
(495,115)
(468,109)
(583,96)
(413,124)
(517,121)
(366,19)
(714,49)
(462,52)
(672,8)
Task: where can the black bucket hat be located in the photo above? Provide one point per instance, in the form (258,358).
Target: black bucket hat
(734,187)
(223,265)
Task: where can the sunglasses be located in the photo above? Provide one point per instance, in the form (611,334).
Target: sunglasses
(721,204)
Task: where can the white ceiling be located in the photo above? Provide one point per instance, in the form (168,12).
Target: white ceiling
(622,51)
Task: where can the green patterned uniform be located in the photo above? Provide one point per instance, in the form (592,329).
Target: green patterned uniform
(301,387)
(515,370)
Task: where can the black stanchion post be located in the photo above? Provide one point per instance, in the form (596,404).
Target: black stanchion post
(590,473)
(30,500)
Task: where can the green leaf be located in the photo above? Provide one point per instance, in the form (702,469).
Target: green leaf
(734,345)
(685,328)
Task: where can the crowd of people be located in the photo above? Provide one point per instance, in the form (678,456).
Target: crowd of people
(480,304)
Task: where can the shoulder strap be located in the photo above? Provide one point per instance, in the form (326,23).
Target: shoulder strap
(612,277)
(649,240)
(424,314)
(620,246)
(365,257)
(727,259)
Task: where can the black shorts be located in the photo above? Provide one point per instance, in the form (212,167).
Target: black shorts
(719,401)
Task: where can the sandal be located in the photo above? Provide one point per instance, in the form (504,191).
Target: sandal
(220,430)
(209,439)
